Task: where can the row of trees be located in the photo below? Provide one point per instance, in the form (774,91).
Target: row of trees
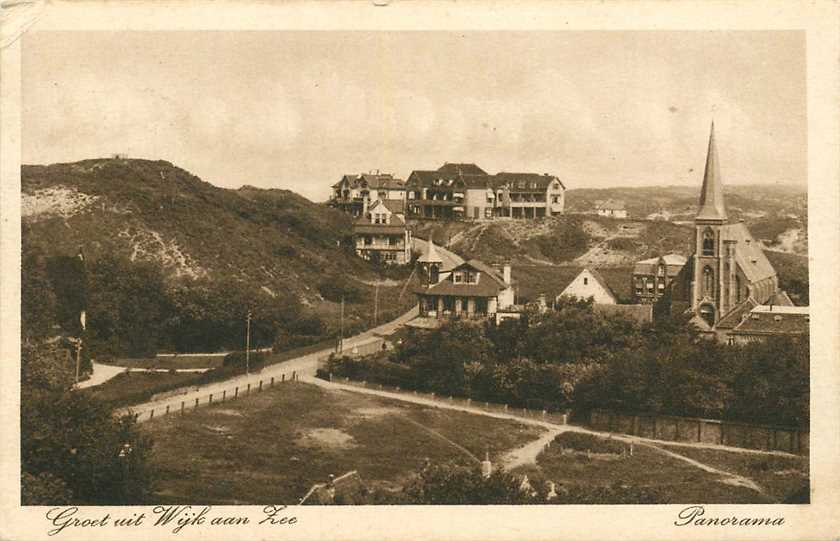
(575,358)
(132,311)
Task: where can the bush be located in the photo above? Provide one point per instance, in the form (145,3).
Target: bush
(589,442)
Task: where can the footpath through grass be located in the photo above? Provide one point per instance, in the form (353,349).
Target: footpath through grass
(781,476)
(273,446)
(589,469)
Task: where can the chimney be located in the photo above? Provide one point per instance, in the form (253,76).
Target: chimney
(506,274)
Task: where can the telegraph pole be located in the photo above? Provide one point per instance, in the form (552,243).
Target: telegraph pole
(341,336)
(78,357)
(248,344)
(375,304)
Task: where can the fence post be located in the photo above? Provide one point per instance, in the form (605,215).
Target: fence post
(260,385)
(167,410)
(152,413)
(294,375)
(236,392)
(182,407)
(224,395)
(282,377)
(248,390)
(272,382)
(196,403)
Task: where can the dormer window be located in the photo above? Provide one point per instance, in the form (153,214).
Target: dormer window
(457,278)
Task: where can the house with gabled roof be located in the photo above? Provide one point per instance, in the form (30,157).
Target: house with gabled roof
(354,193)
(612,208)
(652,277)
(590,284)
(470,290)
(383,235)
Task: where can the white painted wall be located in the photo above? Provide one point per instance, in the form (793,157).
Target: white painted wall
(585,285)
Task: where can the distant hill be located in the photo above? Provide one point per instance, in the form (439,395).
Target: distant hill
(270,249)
(155,211)
(547,254)
(776,214)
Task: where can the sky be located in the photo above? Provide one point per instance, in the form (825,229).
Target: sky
(297,110)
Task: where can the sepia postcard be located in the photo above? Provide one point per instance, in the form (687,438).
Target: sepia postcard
(420,270)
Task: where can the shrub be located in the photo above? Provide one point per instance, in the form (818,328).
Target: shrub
(589,442)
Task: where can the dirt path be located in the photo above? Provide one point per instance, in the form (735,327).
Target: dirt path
(528,453)
(300,366)
(101,374)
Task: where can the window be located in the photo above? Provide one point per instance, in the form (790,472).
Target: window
(488,212)
(661,286)
(708,281)
(457,277)
(368,241)
(708,242)
(649,286)
(585,281)
(661,271)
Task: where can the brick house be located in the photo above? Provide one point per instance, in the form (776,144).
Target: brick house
(652,277)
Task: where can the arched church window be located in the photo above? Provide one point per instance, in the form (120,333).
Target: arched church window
(708,242)
(708,282)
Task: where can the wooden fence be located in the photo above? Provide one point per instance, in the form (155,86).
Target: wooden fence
(217,397)
(560,418)
(696,430)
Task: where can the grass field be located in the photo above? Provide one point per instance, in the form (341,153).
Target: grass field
(273,446)
(603,475)
(133,387)
(781,476)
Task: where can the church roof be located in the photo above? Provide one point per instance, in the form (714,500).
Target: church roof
(748,253)
(732,318)
(712,206)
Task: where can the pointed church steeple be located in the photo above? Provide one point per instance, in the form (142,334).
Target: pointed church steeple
(712,207)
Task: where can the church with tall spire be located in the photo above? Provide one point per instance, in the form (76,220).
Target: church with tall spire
(727,275)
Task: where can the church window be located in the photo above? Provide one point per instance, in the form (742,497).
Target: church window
(737,288)
(708,281)
(708,242)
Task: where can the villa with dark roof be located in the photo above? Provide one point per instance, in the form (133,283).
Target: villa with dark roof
(466,191)
(727,278)
(355,193)
(469,290)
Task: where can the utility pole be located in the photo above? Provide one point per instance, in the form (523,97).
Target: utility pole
(248,344)
(78,357)
(341,335)
(375,304)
